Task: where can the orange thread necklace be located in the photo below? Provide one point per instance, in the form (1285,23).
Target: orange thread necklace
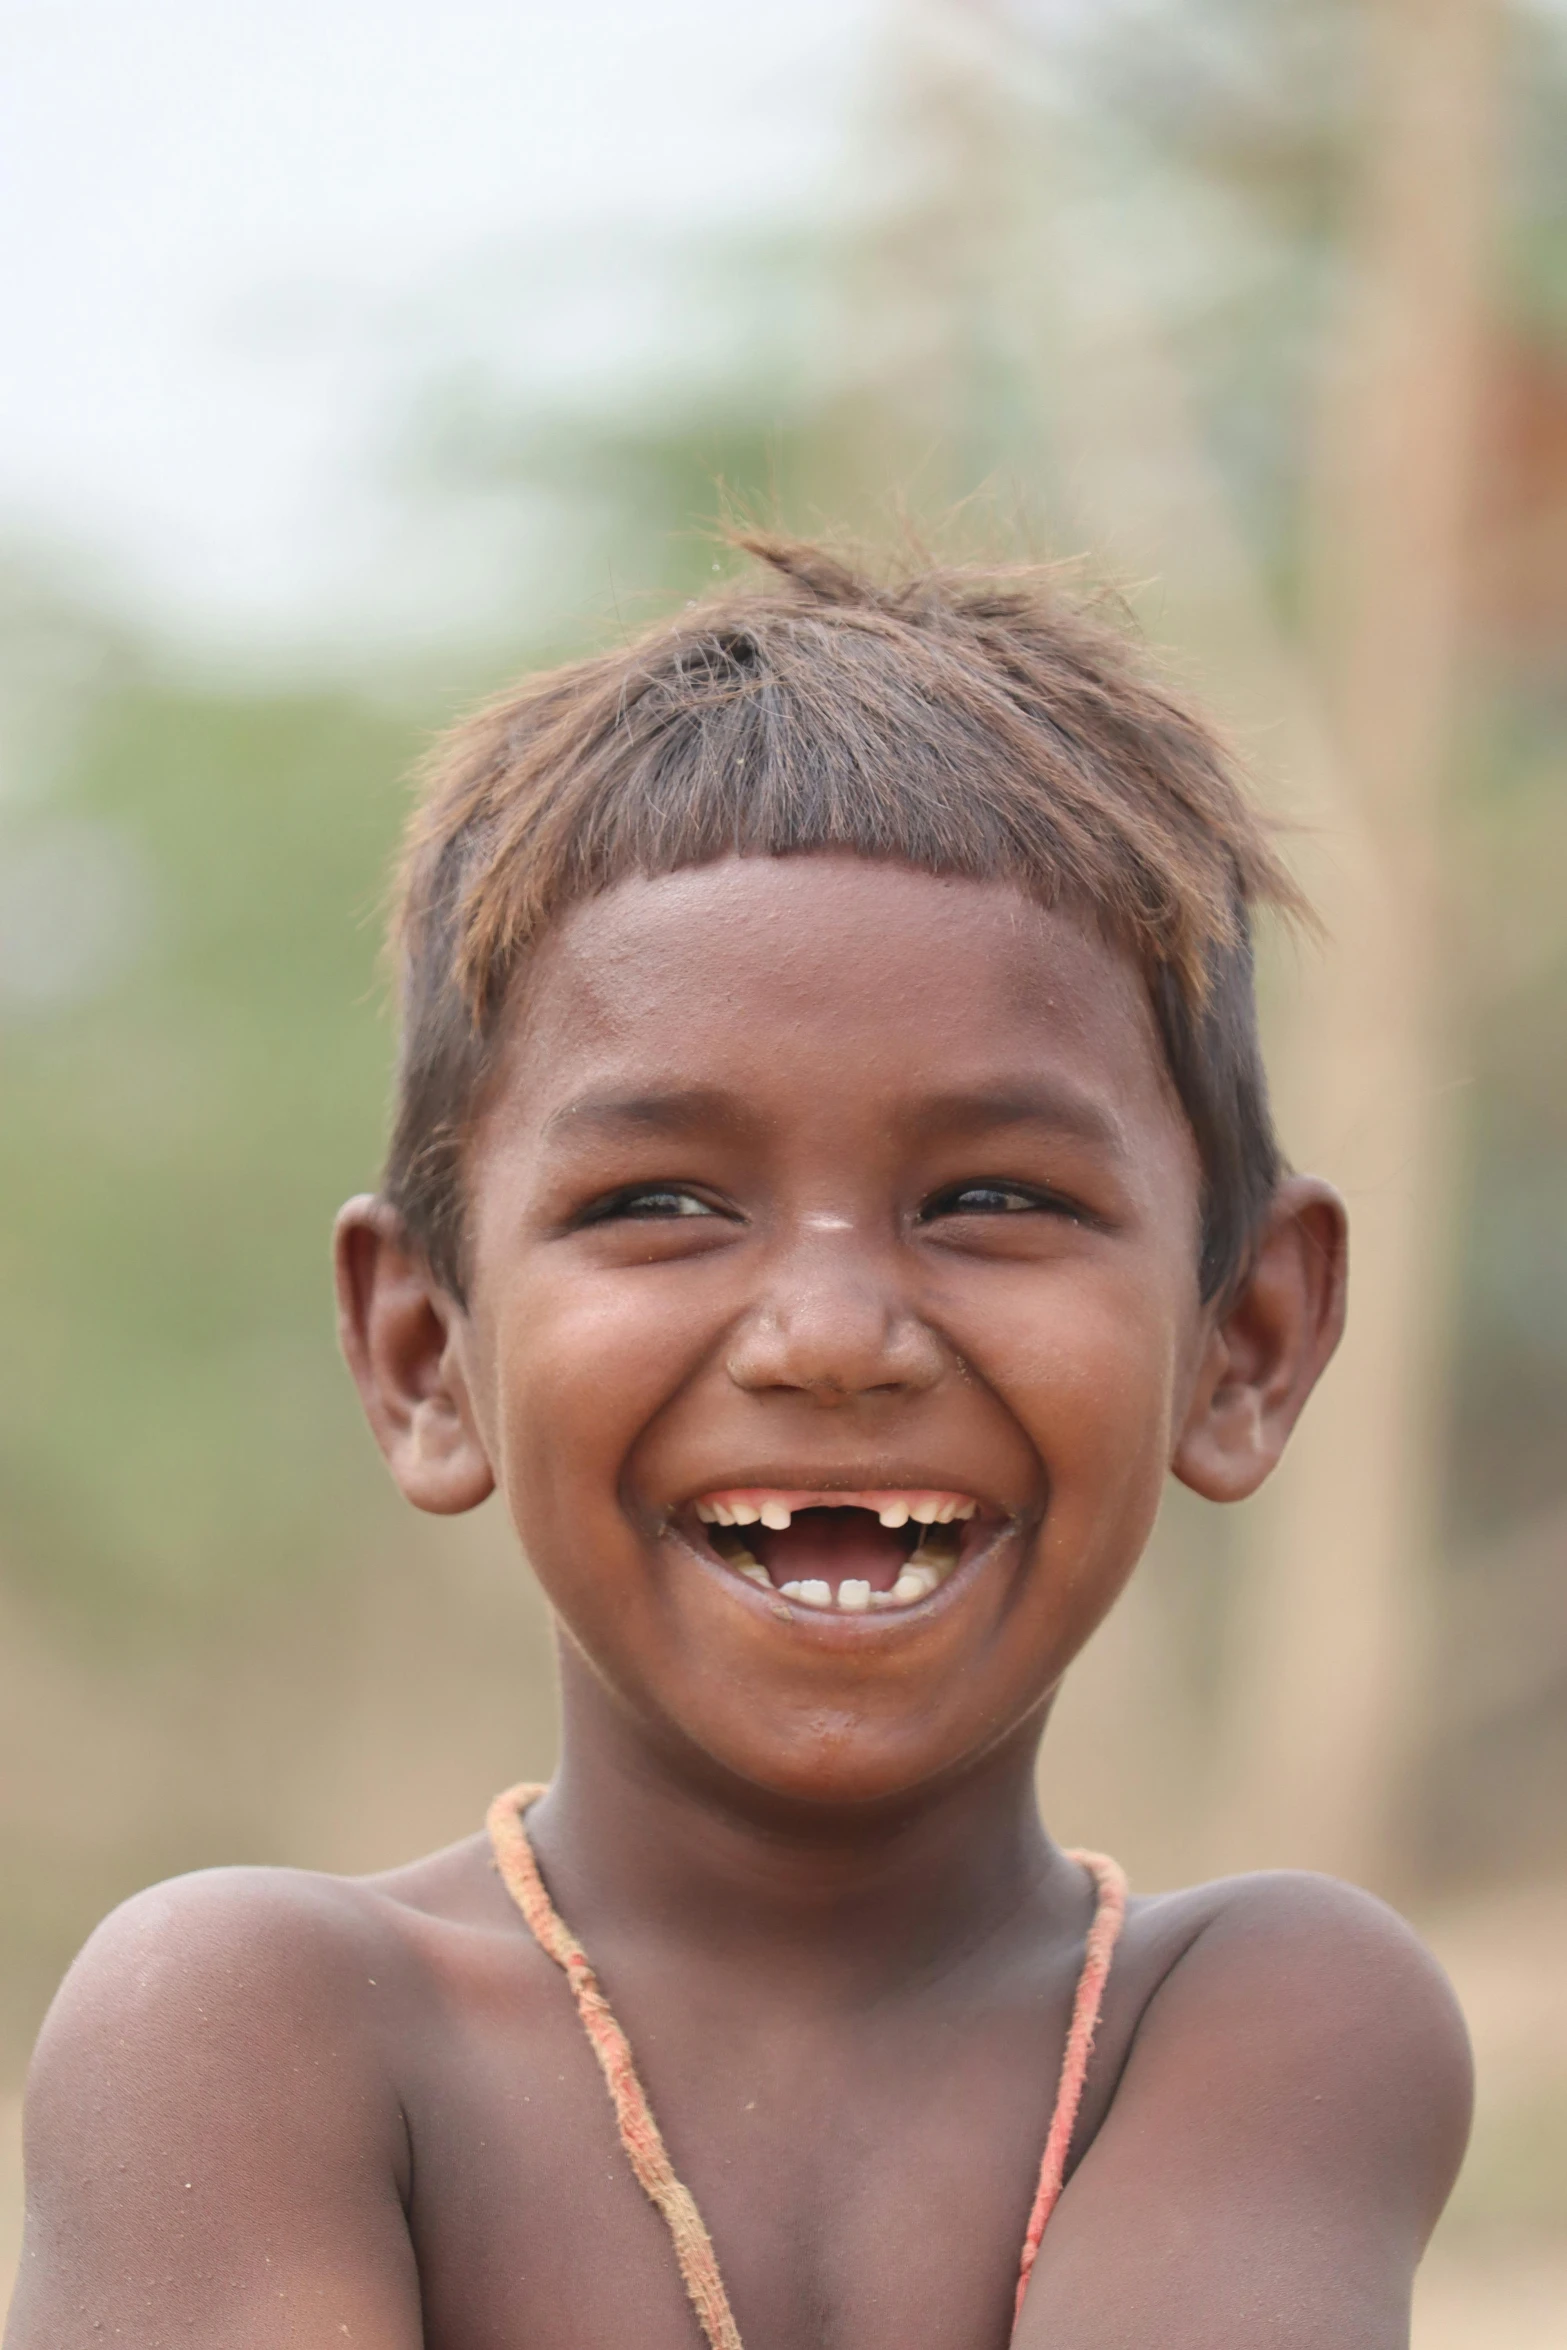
(639,2132)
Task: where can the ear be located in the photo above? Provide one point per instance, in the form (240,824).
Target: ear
(1269,1345)
(401,1333)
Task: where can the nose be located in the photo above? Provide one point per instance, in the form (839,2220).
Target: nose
(834,1326)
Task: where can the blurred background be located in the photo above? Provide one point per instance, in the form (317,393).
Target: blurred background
(363,356)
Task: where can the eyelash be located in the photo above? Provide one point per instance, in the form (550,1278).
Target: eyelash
(624,1204)
(1029,1201)
(634,1204)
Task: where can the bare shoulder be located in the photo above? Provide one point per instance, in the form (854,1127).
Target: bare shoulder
(253,1949)
(1282,1910)
(224,1959)
(1295,1999)
(1288,2110)
(1327,1968)
(215,2092)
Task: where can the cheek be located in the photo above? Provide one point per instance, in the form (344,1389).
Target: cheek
(1088,1362)
(583,1363)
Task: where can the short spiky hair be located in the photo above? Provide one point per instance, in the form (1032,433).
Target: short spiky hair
(962,720)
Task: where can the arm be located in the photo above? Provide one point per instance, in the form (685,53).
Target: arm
(1287,2128)
(214,2151)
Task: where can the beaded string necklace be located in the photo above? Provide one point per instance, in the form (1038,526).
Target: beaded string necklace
(639,2132)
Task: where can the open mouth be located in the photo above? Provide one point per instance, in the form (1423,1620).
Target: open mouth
(851,1552)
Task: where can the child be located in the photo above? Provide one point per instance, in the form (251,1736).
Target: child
(832,1186)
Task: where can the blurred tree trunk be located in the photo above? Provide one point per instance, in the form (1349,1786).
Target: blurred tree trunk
(1331,1634)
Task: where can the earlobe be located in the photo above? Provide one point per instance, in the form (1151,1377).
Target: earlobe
(399,1334)
(1269,1346)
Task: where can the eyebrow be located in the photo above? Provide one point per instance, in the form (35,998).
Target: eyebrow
(1062,1108)
(682,1110)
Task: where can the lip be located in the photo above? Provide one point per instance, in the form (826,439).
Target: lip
(981,1534)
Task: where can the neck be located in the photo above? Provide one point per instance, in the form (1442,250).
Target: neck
(639,1841)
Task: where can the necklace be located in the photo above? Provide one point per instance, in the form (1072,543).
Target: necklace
(639,2132)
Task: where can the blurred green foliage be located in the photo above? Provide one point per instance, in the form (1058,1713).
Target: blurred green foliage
(193,1059)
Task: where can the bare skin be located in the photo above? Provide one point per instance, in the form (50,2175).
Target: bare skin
(809,1175)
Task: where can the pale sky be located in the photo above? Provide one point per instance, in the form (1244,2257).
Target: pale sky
(226,224)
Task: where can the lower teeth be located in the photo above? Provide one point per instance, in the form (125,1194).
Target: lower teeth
(925,1571)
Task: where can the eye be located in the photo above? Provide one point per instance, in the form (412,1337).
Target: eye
(648,1203)
(997,1199)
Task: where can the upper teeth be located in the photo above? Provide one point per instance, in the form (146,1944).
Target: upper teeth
(775,1513)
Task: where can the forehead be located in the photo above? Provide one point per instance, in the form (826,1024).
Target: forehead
(853,979)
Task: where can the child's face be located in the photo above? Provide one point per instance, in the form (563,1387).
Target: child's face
(818,1177)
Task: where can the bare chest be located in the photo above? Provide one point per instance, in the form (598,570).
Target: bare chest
(868,2187)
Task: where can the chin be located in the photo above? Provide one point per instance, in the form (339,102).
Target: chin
(837,1761)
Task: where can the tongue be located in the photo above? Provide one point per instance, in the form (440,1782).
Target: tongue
(832,1546)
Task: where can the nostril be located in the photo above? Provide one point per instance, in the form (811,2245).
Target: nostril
(837,1355)
(835,1371)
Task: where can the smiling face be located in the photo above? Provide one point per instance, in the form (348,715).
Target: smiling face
(812,1179)
(833,1315)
